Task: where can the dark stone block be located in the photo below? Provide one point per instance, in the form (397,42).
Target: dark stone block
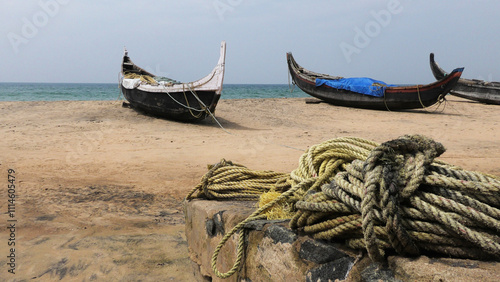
(331,271)
(280,234)
(219,223)
(319,252)
(256,224)
(375,273)
(260,223)
(215,225)
(210,227)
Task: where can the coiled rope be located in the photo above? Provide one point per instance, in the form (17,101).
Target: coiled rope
(393,197)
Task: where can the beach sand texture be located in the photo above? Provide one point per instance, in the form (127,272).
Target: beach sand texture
(99,187)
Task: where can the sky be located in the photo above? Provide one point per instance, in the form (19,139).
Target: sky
(82,41)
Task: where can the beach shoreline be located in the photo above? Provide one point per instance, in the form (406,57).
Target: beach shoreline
(100,186)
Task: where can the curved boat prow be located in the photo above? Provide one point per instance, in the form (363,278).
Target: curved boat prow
(460,70)
(221,65)
(437,71)
(452,80)
(215,79)
(222,57)
(190,101)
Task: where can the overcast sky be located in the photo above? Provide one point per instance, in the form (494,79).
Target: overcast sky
(389,40)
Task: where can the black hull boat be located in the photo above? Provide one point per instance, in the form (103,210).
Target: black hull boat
(472,89)
(193,101)
(391,97)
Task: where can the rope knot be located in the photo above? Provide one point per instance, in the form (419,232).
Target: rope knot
(392,173)
(397,193)
(401,163)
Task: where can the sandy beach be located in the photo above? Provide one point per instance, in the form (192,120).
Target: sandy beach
(99,187)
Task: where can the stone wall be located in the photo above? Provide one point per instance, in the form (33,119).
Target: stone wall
(273,252)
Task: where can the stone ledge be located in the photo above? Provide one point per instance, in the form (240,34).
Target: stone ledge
(275,253)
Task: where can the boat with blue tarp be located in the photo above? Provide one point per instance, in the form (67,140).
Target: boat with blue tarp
(368,93)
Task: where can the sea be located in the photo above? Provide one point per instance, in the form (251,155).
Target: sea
(110,91)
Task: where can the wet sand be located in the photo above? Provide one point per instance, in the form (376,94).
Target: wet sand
(99,187)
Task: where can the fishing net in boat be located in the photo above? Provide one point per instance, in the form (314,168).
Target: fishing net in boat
(144,78)
(149,79)
(166,80)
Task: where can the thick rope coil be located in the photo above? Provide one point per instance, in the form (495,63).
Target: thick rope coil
(390,197)
(405,200)
(230,181)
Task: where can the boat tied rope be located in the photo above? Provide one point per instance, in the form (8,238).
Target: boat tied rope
(203,109)
(440,100)
(394,197)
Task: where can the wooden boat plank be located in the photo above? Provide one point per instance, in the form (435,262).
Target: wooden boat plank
(472,89)
(191,101)
(395,98)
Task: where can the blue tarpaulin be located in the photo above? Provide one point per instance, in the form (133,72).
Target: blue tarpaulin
(363,85)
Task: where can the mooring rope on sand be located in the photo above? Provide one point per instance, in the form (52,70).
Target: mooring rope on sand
(393,197)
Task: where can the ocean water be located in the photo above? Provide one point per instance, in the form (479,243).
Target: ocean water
(110,91)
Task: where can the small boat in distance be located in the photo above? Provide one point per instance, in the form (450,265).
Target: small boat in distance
(472,89)
(378,95)
(163,97)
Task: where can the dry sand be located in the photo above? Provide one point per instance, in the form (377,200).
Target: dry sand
(99,187)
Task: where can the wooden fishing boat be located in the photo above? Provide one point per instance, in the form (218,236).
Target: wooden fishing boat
(390,97)
(472,89)
(192,101)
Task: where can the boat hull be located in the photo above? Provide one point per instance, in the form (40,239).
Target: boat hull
(181,106)
(472,89)
(478,94)
(193,101)
(395,98)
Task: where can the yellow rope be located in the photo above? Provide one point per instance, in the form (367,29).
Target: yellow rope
(439,101)
(311,174)
(203,108)
(394,195)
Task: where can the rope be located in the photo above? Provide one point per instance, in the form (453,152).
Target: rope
(230,181)
(441,99)
(208,110)
(226,180)
(203,107)
(400,198)
(385,103)
(392,197)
